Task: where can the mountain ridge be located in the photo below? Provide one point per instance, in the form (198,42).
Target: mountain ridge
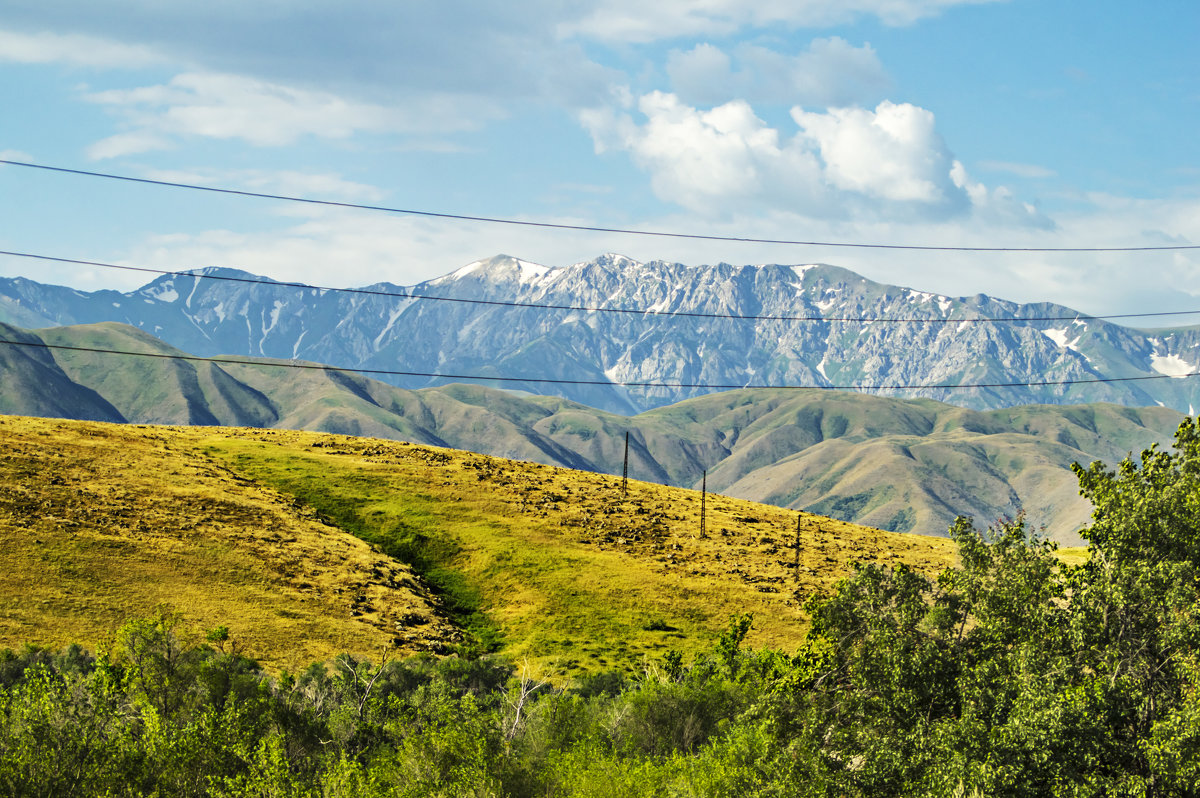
(613,326)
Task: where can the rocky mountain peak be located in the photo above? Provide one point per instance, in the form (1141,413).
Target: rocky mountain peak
(645,334)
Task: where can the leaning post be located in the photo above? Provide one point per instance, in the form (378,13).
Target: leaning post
(625,469)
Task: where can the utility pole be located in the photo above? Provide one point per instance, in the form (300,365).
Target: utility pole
(625,469)
(703,502)
(799,519)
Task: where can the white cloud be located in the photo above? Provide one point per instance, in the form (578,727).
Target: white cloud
(1027,170)
(893,153)
(15,155)
(711,161)
(363,48)
(74,49)
(286,183)
(844,163)
(830,72)
(998,205)
(132,143)
(637,21)
(225,106)
(343,248)
(703,74)
(334,247)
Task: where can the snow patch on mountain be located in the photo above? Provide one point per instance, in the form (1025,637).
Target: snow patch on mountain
(458,274)
(192,293)
(1171,366)
(274,316)
(401,306)
(163,293)
(1059,336)
(531,272)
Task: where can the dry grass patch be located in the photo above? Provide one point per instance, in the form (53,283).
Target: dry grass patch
(1074,555)
(100,522)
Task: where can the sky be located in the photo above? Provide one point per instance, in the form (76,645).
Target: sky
(942,123)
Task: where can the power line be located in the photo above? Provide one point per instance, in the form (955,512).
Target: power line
(592,309)
(577,227)
(553,381)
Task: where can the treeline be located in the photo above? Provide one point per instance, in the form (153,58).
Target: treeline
(1011,674)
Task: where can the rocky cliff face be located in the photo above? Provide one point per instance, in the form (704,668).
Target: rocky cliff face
(929,340)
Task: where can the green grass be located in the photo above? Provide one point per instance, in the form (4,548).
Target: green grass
(555,565)
(407,529)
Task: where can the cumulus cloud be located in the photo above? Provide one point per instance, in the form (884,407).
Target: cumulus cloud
(259,112)
(709,161)
(893,153)
(886,163)
(830,72)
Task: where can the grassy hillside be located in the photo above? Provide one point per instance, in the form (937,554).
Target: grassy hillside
(32,383)
(100,522)
(253,529)
(903,465)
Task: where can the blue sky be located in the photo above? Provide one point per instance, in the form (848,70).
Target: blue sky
(1023,123)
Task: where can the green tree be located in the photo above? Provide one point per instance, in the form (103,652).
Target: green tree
(1136,608)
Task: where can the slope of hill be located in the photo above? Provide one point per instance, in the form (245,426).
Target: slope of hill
(808,330)
(903,465)
(250,528)
(100,523)
(35,384)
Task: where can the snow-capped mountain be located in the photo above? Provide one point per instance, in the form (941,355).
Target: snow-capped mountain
(933,341)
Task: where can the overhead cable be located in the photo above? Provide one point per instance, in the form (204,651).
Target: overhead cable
(595,309)
(578,227)
(557,381)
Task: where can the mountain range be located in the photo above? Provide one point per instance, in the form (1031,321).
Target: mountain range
(675,331)
(901,465)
